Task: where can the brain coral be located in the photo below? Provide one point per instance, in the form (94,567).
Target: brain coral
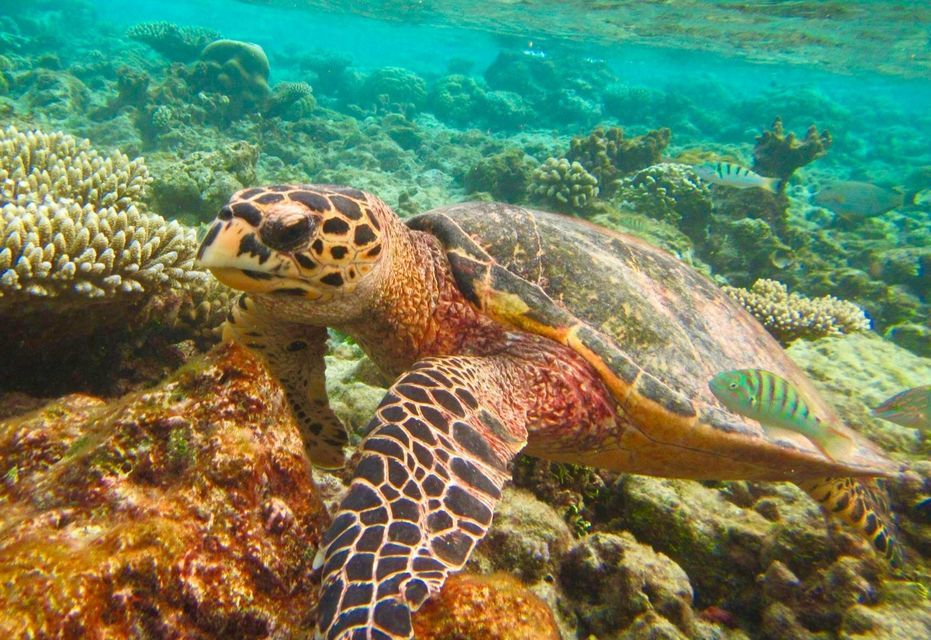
(73,227)
(790,316)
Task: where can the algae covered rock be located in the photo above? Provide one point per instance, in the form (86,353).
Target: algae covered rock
(496,607)
(527,538)
(185,510)
(614,580)
(505,175)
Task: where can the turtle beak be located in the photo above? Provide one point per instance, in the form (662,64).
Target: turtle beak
(233,253)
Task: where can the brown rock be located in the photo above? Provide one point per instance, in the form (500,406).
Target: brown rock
(183,511)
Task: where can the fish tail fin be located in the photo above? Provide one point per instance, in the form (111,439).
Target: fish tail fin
(864,505)
(836,444)
(775,185)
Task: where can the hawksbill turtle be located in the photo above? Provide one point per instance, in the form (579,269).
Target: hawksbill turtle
(506,330)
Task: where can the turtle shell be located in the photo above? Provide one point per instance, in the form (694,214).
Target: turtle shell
(675,324)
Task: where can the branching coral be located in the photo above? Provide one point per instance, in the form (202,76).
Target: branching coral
(778,155)
(72,225)
(565,185)
(608,156)
(177,43)
(790,316)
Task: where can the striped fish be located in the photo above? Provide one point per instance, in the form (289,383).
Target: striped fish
(911,408)
(777,404)
(733,175)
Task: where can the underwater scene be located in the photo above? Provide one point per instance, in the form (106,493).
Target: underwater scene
(465,320)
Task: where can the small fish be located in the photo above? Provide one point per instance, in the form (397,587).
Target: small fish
(853,198)
(733,175)
(911,408)
(777,404)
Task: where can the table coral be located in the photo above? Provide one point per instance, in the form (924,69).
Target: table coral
(790,316)
(778,155)
(177,43)
(564,185)
(608,156)
(184,510)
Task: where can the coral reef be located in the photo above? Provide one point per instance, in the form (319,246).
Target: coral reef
(237,70)
(291,101)
(671,193)
(565,186)
(73,228)
(393,89)
(778,155)
(608,156)
(193,189)
(176,43)
(82,260)
(506,175)
(496,607)
(790,316)
(457,98)
(187,508)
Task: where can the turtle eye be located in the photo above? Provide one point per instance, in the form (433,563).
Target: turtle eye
(733,386)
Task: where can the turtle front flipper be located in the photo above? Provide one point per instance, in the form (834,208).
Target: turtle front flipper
(861,503)
(430,474)
(294,355)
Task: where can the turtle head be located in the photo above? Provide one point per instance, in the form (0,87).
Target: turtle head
(320,244)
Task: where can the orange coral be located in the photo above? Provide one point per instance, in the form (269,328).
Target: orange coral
(495,607)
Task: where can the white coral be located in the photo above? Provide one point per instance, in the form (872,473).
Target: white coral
(789,316)
(73,223)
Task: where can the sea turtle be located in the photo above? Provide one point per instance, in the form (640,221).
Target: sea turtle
(506,330)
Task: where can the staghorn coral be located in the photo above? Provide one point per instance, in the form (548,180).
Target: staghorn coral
(177,43)
(778,155)
(790,316)
(608,156)
(73,228)
(562,184)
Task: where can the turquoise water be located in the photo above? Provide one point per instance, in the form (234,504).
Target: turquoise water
(427,103)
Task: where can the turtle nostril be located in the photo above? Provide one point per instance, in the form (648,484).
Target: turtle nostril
(286,234)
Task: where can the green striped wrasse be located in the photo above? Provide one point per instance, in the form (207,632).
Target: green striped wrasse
(777,404)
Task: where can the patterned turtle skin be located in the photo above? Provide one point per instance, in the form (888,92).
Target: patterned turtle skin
(506,330)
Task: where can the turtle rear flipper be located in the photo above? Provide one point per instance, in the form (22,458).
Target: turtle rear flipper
(423,494)
(862,504)
(294,355)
